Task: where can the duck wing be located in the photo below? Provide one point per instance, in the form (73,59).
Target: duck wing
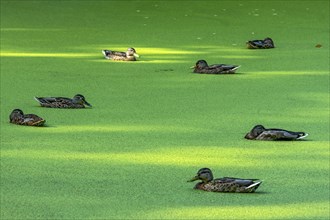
(113,53)
(238,181)
(256,43)
(117,53)
(54,102)
(291,134)
(222,68)
(32,120)
(50,100)
(232,184)
(280,134)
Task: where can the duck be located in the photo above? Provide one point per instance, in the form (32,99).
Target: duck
(224,184)
(78,101)
(259,132)
(267,43)
(129,55)
(202,67)
(18,117)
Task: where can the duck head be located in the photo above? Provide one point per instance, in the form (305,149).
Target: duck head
(16,113)
(200,64)
(255,132)
(80,99)
(203,174)
(131,52)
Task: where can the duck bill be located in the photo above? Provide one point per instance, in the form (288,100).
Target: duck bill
(193,179)
(193,67)
(86,103)
(249,136)
(136,55)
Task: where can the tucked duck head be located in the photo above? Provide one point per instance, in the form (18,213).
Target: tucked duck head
(132,52)
(204,174)
(16,113)
(80,99)
(255,132)
(268,40)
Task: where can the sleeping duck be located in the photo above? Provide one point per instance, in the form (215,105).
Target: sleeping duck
(260,44)
(18,117)
(259,132)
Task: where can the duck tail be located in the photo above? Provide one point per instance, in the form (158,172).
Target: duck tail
(106,53)
(233,70)
(302,135)
(236,67)
(41,122)
(37,99)
(254,185)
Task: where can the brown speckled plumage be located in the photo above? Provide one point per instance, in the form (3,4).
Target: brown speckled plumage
(78,101)
(18,117)
(129,55)
(225,184)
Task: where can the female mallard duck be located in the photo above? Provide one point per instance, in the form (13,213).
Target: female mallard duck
(78,101)
(18,117)
(225,184)
(202,67)
(259,132)
(129,55)
(260,44)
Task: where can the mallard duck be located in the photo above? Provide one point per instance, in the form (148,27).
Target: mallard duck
(225,184)
(78,101)
(259,132)
(18,117)
(129,55)
(260,44)
(202,67)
